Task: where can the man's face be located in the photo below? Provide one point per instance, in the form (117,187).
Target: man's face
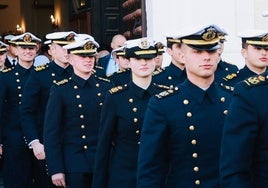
(199,63)
(26,53)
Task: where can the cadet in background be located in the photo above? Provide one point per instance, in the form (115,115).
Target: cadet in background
(122,118)
(244,150)
(72,119)
(254,54)
(19,163)
(174,73)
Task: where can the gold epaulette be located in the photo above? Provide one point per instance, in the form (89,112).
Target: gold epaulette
(99,67)
(226,87)
(103,79)
(255,80)
(163,86)
(62,82)
(40,67)
(6,70)
(167,93)
(230,76)
(117,89)
(157,71)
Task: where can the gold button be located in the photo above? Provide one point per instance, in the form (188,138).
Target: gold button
(99,94)
(185,101)
(53,74)
(137,131)
(197,182)
(82,116)
(134,109)
(54,81)
(82,126)
(97,85)
(84,137)
(196,169)
(135,120)
(19,87)
(223,99)
(194,142)
(85,147)
(80,105)
(189,114)
(75,87)
(191,128)
(225,112)
(78,96)
(170,78)
(18,80)
(195,155)
(130,100)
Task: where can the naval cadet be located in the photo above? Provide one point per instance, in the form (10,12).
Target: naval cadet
(123,75)
(3,55)
(180,139)
(11,59)
(122,118)
(159,58)
(174,73)
(18,170)
(244,150)
(36,92)
(254,54)
(223,68)
(72,119)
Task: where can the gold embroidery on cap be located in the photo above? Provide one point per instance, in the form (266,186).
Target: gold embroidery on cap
(265,38)
(70,37)
(145,44)
(27,38)
(88,46)
(209,34)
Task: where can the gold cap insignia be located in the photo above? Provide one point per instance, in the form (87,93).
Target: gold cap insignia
(27,38)
(88,46)
(209,34)
(265,38)
(70,37)
(145,44)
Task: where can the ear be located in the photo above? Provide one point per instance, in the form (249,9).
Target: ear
(70,59)
(244,53)
(169,51)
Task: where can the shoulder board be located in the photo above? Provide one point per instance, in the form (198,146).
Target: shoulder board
(117,89)
(99,67)
(157,71)
(226,87)
(40,67)
(6,70)
(62,82)
(103,79)
(163,86)
(166,93)
(230,76)
(256,80)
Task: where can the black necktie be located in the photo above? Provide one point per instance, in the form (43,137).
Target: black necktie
(13,62)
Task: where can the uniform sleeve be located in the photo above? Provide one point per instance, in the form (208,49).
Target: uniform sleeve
(28,108)
(106,130)
(52,132)
(152,152)
(239,137)
(2,99)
